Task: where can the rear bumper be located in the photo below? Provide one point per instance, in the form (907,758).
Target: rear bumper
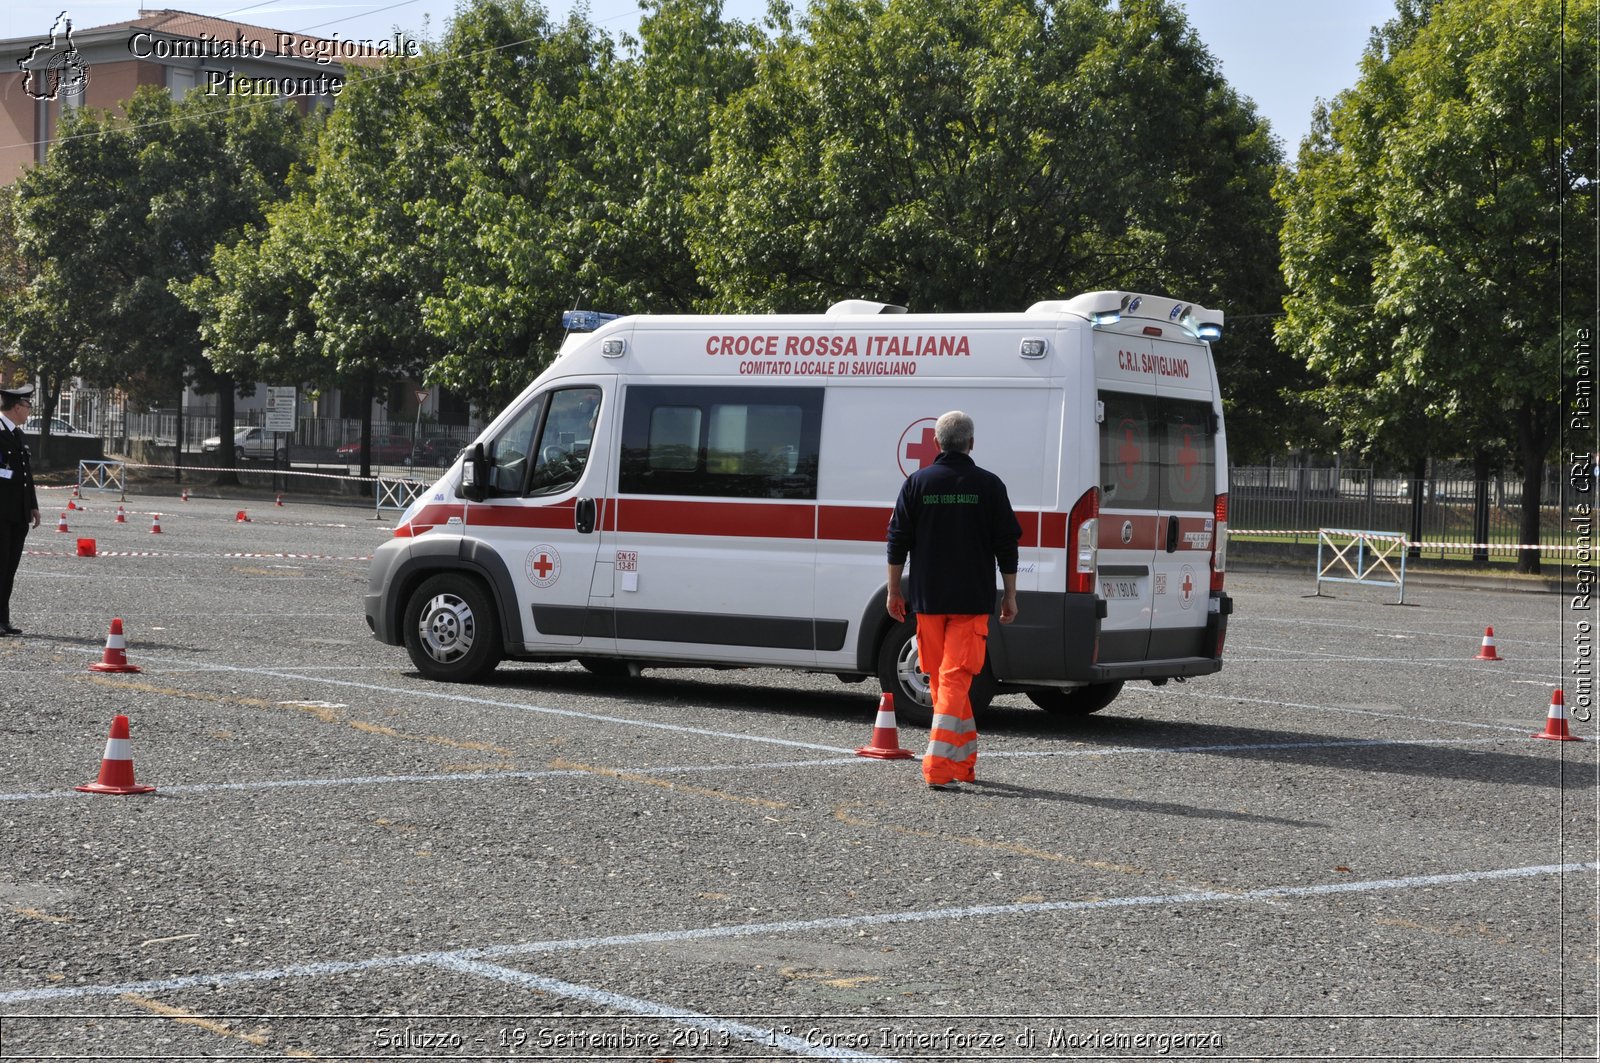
(1057,639)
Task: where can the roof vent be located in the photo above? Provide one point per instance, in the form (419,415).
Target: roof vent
(862,307)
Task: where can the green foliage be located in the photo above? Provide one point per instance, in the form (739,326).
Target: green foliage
(127,210)
(982,154)
(1419,242)
(1422,237)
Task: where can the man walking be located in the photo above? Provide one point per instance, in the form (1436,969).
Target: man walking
(18,502)
(955,522)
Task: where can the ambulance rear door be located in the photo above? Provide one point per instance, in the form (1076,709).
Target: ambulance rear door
(1186,432)
(1158,494)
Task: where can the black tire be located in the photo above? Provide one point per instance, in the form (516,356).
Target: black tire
(451,628)
(898,675)
(1079,701)
(605,667)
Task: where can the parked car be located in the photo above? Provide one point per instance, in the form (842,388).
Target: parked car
(58,427)
(439,451)
(386,450)
(255,443)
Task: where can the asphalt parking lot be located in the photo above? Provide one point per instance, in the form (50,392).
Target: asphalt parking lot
(1345,845)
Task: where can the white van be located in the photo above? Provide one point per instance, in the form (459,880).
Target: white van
(715,492)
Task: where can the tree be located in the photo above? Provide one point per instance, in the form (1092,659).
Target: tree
(984,154)
(1423,226)
(497,225)
(652,118)
(126,211)
(76,243)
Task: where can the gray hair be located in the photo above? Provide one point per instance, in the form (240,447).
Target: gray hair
(953,431)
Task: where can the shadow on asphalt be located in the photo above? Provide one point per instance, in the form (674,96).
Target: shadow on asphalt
(1083,734)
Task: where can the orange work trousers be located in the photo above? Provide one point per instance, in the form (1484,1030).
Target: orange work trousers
(951,649)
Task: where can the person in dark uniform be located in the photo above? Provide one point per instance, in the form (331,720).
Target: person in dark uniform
(19,504)
(955,522)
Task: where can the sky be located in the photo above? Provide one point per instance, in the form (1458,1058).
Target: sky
(1282,54)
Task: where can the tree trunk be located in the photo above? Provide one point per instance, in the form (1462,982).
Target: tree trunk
(177,444)
(369,388)
(1419,480)
(225,415)
(1535,432)
(1480,507)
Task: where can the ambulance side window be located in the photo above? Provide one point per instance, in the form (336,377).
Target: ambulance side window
(721,442)
(508,452)
(1188,456)
(551,437)
(564,440)
(1128,470)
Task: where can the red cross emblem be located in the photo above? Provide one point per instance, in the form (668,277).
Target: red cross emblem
(542,565)
(918,447)
(1128,453)
(1187,586)
(1188,454)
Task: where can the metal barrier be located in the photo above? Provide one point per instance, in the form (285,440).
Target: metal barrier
(1384,547)
(104,476)
(397,494)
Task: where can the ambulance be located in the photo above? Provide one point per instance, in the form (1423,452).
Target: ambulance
(714,492)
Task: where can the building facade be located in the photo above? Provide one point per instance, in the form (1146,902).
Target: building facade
(65,67)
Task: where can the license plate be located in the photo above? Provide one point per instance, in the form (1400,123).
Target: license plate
(1119,588)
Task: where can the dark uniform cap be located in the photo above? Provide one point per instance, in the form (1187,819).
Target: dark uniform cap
(19,391)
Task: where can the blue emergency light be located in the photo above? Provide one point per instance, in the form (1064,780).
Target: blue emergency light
(585,320)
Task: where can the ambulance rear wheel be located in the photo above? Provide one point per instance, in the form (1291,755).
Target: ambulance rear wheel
(899,675)
(1079,701)
(451,630)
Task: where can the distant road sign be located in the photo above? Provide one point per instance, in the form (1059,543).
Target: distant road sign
(280,409)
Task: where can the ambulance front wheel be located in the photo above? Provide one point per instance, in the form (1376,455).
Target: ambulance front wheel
(899,675)
(1079,701)
(451,630)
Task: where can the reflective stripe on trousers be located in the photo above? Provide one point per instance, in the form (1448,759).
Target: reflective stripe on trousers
(951,649)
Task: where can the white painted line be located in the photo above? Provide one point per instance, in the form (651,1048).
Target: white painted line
(428,692)
(634,1006)
(328,968)
(451,777)
(1240,699)
(1246,747)
(686,769)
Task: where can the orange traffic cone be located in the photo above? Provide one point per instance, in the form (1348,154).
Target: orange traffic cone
(122,517)
(61,527)
(75,492)
(1487,652)
(72,505)
(885,743)
(242,518)
(116,767)
(155,524)
(185,496)
(1555,722)
(115,658)
(280,499)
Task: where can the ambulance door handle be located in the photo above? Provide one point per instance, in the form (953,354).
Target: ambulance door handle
(584,515)
(1172,535)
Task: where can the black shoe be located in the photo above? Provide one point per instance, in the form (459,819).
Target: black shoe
(10,629)
(949,787)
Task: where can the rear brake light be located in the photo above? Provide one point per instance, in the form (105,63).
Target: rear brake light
(1083,542)
(1219,544)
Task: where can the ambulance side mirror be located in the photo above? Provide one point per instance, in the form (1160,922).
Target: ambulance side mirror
(474,475)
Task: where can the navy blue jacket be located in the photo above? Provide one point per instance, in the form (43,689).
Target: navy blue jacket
(956,522)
